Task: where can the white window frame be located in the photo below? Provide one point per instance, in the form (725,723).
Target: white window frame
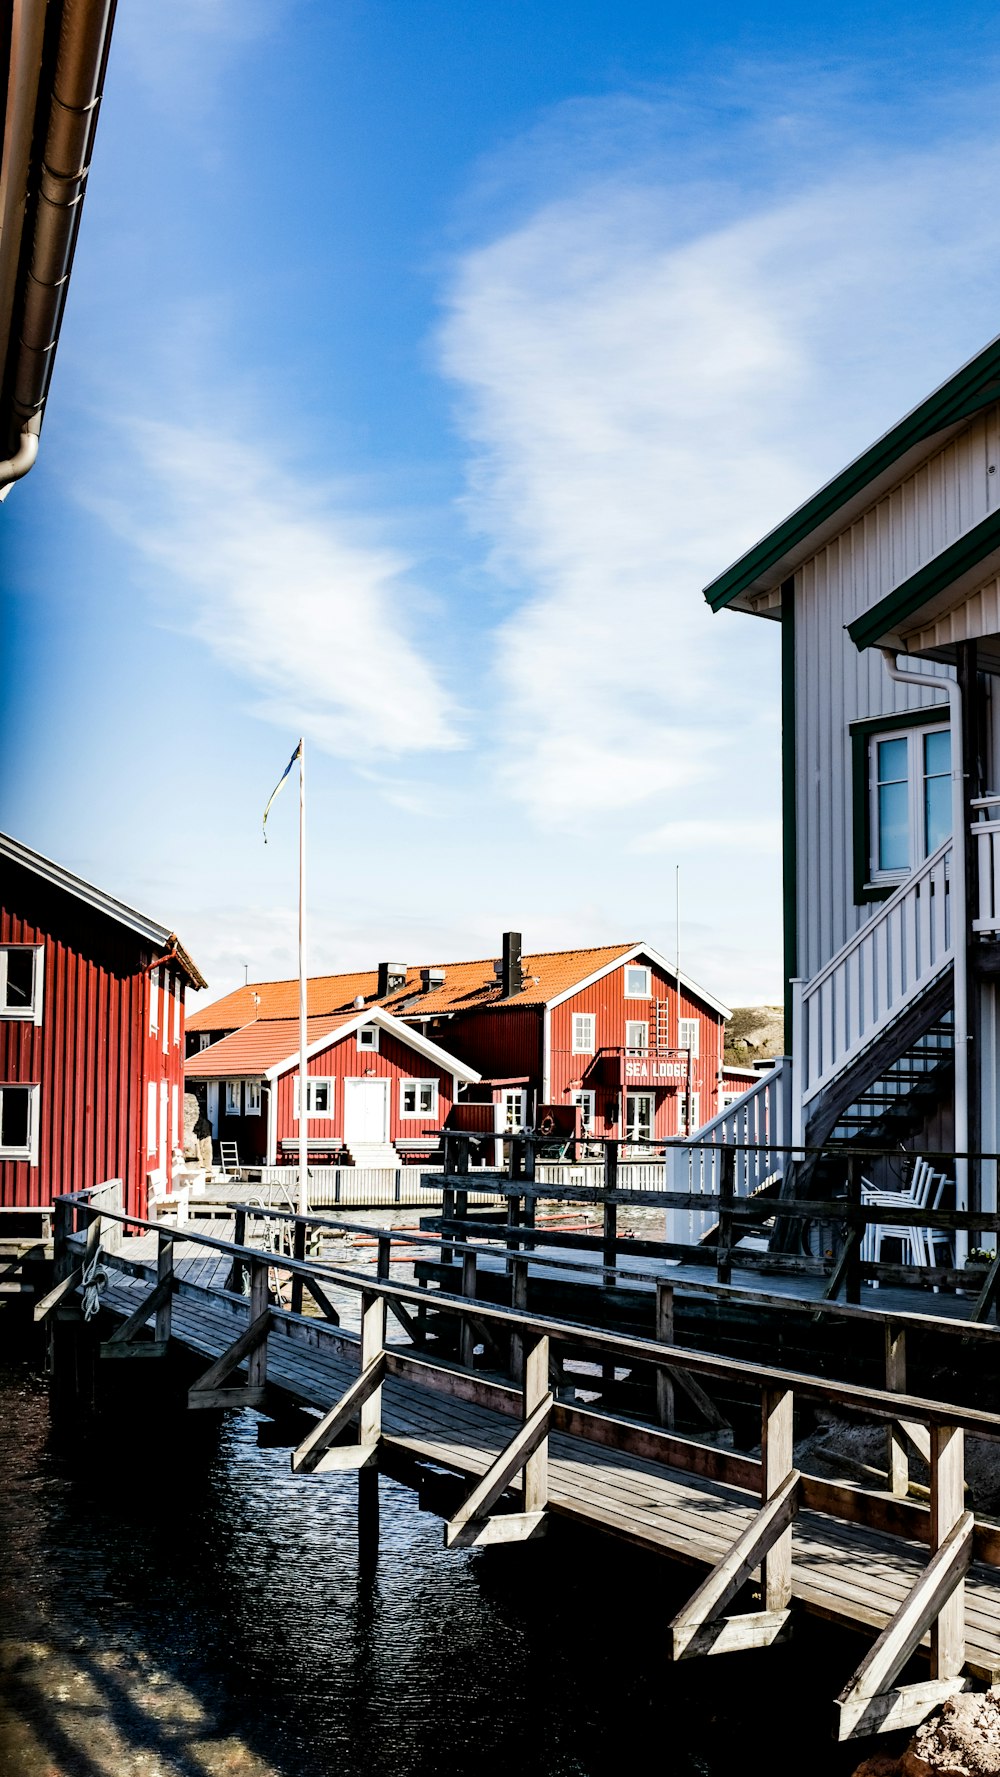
(587,1102)
(204,1039)
(645,992)
(29,1151)
(583,1041)
(154,1003)
(690,1114)
(636,1044)
(178,994)
(511,1117)
(368,1030)
(914,737)
(691,1028)
(31,1014)
(312,1082)
(234,1098)
(151,1118)
(419,1086)
(251,1098)
(175,1132)
(632,1132)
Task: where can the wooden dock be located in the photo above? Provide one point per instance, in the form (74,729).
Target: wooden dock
(772,1541)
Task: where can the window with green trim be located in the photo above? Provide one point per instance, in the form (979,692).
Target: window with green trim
(902,798)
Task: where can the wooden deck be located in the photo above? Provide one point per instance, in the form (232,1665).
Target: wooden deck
(911,1576)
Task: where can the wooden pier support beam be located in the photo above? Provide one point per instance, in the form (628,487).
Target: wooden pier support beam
(896,1453)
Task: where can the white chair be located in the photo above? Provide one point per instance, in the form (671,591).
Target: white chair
(912,1238)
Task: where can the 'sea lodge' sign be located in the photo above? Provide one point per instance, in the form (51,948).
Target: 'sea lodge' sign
(657,1069)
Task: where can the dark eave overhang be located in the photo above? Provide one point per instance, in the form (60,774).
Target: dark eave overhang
(890,459)
(948,578)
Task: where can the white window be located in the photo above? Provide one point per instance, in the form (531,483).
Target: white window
(689,1034)
(154,1003)
(513,1108)
(234,1104)
(204,1039)
(690,1112)
(21,969)
(19,1123)
(636,982)
(251,1098)
(418,1098)
(585,1100)
(636,1035)
(151,1117)
(177,1011)
(583,1033)
(638,1116)
(319,1098)
(368,1037)
(910,799)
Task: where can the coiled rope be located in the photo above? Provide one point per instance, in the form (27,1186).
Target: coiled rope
(94,1279)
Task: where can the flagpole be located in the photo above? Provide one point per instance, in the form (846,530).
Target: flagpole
(303,1008)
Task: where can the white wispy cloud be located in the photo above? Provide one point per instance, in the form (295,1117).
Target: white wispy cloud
(287,587)
(182,52)
(647,383)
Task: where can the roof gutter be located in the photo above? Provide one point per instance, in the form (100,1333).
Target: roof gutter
(43,197)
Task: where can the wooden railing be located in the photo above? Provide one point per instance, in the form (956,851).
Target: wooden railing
(757,1126)
(349,1435)
(986,832)
(896,954)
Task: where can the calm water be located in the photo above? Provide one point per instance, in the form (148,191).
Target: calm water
(177,1602)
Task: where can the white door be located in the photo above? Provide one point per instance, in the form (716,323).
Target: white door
(639,1116)
(366,1112)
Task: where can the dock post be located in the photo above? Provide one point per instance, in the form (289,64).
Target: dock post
(257,1360)
(536,1389)
(947,1507)
(777,1413)
(370,1431)
(237,1275)
(855,1232)
(727,1193)
(467,1337)
(164,1271)
(665,1334)
(299,1254)
(519,1300)
(897,1459)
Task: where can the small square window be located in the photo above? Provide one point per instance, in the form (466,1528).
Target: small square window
(21,981)
(637,985)
(319,1098)
(583,1033)
(368,1037)
(418,1098)
(18,1105)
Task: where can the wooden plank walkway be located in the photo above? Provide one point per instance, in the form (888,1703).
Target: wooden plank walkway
(846,1572)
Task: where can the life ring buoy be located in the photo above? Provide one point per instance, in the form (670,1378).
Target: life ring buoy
(547,1126)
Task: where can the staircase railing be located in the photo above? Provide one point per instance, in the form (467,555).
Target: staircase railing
(986,833)
(757,1125)
(898,953)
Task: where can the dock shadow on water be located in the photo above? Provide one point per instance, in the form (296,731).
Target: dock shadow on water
(175,1603)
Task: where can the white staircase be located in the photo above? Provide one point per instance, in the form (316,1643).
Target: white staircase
(901,952)
(377,1156)
(756,1124)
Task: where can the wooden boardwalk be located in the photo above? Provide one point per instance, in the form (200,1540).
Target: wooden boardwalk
(910,1576)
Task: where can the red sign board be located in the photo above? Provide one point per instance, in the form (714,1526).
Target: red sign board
(665,1067)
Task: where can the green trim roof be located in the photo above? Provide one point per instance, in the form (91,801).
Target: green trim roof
(973,387)
(935,577)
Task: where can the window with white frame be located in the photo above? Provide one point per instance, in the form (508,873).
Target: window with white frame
(175,1117)
(639,1115)
(637,985)
(154,1002)
(368,1037)
(251,1098)
(418,1098)
(178,991)
(151,1117)
(909,799)
(513,1108)
(204,1039)
(583,1033)
(690,1112)
(234,1097)
(585,1102)
(19,1123)
(636,1035)
(319,1098)
(21,967)
(689,1034)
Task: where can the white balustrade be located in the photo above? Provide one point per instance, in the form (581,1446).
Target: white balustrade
(986,832)
(757,1125)
(905,945)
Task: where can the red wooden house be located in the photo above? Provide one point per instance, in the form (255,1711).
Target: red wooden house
(91,1036)
(379,1091)
(608,1040)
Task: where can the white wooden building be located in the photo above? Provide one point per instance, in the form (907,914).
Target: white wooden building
(892,930)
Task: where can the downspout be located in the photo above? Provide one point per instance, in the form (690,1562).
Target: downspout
(959,927)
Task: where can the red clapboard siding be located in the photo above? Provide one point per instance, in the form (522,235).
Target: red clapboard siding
(91,1055)
(501,1044)
(394,1061)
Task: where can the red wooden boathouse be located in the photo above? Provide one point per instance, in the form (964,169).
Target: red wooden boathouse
(91,1036)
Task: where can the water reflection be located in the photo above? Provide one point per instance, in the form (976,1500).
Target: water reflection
(174,1601)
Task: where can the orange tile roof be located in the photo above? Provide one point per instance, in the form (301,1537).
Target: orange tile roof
(466,985)
(256,1047)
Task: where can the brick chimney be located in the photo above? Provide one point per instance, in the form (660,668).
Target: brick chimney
(510,965)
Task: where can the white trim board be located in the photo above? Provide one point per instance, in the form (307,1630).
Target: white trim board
(659,962)
(448,1064)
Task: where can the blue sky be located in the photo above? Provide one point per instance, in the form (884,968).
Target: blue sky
(422,361)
